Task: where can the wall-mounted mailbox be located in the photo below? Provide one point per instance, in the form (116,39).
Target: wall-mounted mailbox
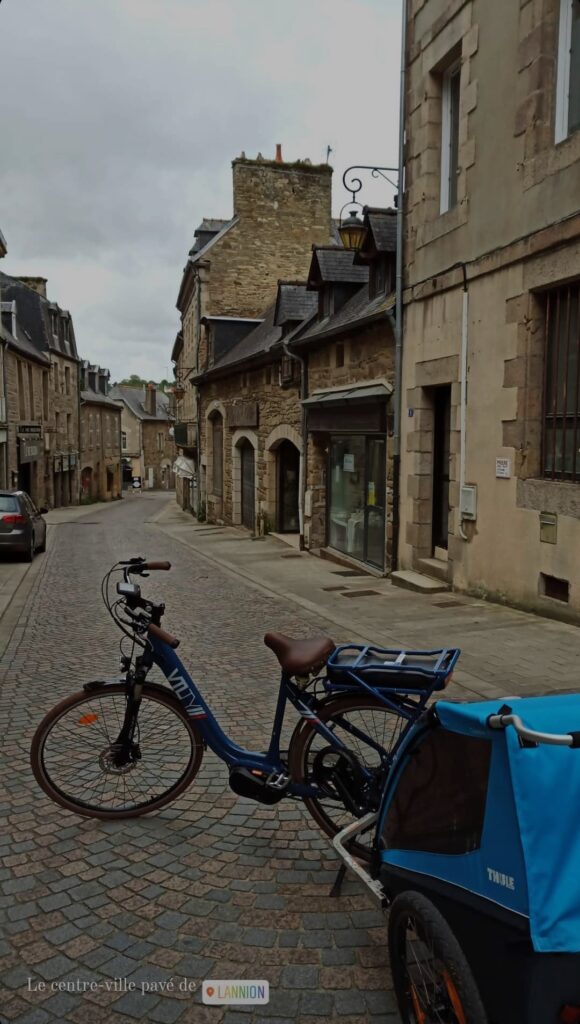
(468,501)
(549,527)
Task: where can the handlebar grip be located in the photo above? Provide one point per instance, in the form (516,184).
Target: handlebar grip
(161,634)
(156,565)
(575,739)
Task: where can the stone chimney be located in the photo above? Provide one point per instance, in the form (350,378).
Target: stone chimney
(278,158)
(38,284)
(104,381)
(151,400)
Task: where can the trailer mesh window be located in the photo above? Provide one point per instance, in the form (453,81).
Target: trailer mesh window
(439,802)
(561,458)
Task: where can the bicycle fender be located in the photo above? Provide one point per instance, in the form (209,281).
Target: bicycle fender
(95,684)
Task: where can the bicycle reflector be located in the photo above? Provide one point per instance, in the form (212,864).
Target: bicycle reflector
(88,719)
(570,1015)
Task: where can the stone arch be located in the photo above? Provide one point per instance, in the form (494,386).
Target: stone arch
(284,432)
(214,489)
(238,438)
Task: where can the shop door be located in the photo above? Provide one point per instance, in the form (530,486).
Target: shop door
(442,419)
(248,486)
(288,475)
(375,501)
(25,477)
(356,504)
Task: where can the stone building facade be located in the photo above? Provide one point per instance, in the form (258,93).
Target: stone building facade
(279,210)
(490,474)
(147,443)
(251,424)
(100,437)
(348,354)
(42,404)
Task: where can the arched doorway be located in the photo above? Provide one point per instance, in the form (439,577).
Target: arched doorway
(248,474)
(288,476)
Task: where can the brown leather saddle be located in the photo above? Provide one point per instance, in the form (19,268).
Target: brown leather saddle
(300,657)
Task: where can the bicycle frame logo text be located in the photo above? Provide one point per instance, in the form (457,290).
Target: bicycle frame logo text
(183,691)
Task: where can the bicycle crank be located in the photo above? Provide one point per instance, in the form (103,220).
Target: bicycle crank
(341,770)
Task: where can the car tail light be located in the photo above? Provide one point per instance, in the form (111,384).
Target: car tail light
(570,1015)
(13,517)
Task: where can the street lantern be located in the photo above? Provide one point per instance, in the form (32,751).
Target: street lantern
(178,391)
(352,231)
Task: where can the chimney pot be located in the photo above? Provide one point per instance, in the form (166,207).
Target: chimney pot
(279,153)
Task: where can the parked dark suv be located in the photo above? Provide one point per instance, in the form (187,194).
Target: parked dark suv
(22,528)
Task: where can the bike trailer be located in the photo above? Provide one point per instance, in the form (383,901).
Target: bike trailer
(486,825)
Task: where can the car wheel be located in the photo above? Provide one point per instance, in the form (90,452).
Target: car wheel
(42,547)
(29,553)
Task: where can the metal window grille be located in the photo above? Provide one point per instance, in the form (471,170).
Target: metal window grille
(561,436)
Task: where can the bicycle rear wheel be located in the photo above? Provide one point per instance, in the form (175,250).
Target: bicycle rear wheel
(351,719)
(71,753)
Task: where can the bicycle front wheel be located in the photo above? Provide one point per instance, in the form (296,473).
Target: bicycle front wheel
(72,753)
(369,730)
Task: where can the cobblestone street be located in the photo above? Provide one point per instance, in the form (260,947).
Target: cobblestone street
(212,886)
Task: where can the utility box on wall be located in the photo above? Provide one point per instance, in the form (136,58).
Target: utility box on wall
(468,502)
(548,527)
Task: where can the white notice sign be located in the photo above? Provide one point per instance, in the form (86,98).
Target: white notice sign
(348,464)
(503,468)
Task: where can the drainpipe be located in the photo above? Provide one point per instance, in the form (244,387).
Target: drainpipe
(302,465)
(399,306)
(463,396)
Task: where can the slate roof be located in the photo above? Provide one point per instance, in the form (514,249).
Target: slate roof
(356,313)
(334,265)
(257,342)
(294,302)
(89,394)
(383,228)
(22,344)
(209,231)
(134,399)
(33,313)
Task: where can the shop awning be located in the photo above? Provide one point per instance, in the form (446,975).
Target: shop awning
(358,408)
(355,394)
(184,467)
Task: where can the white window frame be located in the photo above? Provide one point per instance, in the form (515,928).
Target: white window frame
(446,133)
(563,71)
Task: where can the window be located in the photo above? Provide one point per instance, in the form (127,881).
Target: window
(67,379)
(21,399)
(217,447)
(339,354)
(439,803)
(124,440)
(287,370)
(55,377)
(567,118)
(45,394)
(69,426)
(160,442)
(31,391)
(561,440)
(450,136)
(57,427)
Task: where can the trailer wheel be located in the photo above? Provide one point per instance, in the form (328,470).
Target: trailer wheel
(431,976)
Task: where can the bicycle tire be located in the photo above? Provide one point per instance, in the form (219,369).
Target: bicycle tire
(457,990)
(299,748)
(151,692)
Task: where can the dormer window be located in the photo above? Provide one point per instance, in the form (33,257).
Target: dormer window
(54,323)
(379,277)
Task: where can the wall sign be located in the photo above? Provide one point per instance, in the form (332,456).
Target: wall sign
(503,468)
(348,464)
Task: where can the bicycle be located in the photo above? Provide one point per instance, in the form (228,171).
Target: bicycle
(123,748)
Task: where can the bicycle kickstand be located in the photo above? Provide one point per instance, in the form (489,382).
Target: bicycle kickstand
(337,884)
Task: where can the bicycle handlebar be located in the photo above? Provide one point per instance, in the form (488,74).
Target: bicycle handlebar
(571,739)
(147,566)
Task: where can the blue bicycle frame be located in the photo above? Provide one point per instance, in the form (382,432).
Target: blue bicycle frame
(235,756)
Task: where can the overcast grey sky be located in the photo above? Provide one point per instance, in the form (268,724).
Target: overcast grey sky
(119,120)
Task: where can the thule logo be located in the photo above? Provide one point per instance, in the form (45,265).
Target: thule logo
(498,878)
(187,698)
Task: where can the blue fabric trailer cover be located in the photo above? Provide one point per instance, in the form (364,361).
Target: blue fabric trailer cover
(529,857)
